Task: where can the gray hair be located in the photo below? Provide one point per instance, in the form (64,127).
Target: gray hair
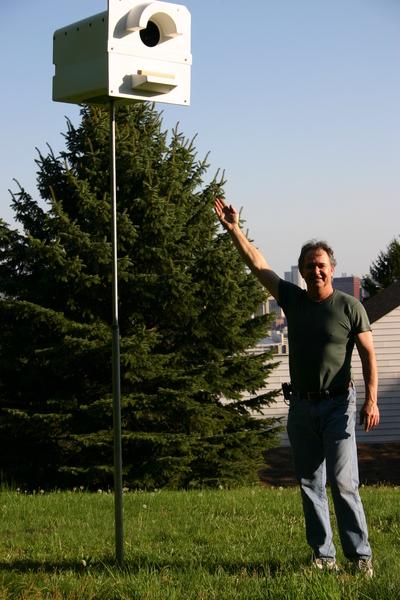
(316,245)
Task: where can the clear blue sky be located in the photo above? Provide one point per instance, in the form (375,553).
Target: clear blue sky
(297,100)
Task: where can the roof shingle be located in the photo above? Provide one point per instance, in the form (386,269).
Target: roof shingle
(383,303)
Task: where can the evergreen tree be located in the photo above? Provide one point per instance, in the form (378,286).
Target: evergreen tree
(186,303)
(385,270)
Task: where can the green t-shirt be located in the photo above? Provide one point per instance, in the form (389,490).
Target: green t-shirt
(321,337)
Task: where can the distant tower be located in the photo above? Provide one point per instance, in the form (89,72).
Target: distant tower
(273,306)
(348,285)
(294,277)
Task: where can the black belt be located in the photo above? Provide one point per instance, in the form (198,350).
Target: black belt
(339,390)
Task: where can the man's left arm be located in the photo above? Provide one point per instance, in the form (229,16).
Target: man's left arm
(369,412)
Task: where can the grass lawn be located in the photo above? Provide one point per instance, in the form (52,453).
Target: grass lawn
(215,544)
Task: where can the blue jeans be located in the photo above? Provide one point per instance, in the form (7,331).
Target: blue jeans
(323,441)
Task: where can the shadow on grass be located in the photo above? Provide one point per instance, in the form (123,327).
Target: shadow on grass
(138,566)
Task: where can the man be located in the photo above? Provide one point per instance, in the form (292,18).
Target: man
(323,326)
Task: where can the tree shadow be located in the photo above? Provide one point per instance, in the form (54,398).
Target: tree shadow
(137,566)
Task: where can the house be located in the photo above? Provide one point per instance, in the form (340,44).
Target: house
(384,314)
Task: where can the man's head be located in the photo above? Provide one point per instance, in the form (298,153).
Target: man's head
(316,245)
(316,265)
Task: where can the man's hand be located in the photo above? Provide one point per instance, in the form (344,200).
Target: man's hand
(251,256)
(369,414)
(228,216)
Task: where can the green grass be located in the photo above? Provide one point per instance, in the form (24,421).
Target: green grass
(220,544)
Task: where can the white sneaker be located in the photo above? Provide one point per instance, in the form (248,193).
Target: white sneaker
(364,565)
(325,563)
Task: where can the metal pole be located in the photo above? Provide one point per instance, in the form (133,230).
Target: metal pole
(119,543)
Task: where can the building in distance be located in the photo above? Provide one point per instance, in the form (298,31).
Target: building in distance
(349,285)
(294,277)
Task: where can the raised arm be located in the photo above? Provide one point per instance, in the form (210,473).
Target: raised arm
(369,411)
(252,257)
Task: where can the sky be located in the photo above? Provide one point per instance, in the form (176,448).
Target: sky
(297,101)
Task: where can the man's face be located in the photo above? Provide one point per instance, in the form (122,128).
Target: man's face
(317,271)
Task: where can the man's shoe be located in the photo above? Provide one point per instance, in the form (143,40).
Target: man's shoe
(364,565)
(325,563)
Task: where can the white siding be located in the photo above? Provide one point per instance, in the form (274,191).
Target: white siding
(274,382)
(386,334)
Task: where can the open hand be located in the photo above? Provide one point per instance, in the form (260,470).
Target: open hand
(228,216)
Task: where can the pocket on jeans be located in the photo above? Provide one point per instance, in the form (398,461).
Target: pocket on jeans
(348,399)
(293,402)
